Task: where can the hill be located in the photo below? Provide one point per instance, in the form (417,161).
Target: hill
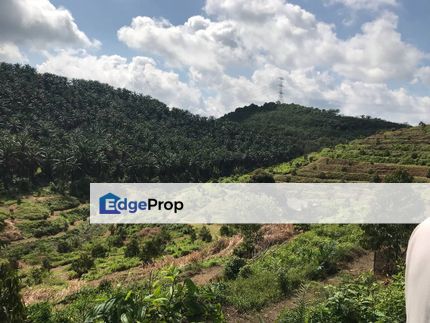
(316,127)
(362,160)
(73,132)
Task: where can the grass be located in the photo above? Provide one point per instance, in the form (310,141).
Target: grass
(111,264)
(42,228)
(31,210)
(60,203)
(312,255)
(362,299)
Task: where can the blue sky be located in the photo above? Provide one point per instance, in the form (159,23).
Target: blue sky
(210,56)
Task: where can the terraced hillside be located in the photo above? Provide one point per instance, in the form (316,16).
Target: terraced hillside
(362,160)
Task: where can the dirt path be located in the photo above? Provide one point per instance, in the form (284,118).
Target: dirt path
(271,313)
(208,275)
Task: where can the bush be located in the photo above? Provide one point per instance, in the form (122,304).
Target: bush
(261,176)
(36,276)
(153,248)
(98,251)
(116,240)
(233,266)
(40,312)
(46,264)
(82,265)
(244,249)
(399,176)
(205,234)
(163,300)
(245,271)
(226,231)
(63,247)
(61,203)
(11,306)
(132,249)
(50,228)
(362,300)
(288,282)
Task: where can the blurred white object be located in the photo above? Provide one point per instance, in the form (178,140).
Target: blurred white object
(418,275)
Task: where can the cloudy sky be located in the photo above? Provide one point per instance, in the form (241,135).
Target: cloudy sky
(367,57)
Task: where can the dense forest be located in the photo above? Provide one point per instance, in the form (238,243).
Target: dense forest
(73,132)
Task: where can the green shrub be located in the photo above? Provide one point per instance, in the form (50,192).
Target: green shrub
(99,251)
(40,228)
(64,246)
(31,210)
(154,247)
(132,249)
(232,267)
(60,203)
(262,176)
(40,312)
(48,228)
(245,271)
(226,231)
(116,240)
(82,265)
(362,300)
(205,234)
(399,176)
(11,306)
(245,249)
(163,300)
(288,282)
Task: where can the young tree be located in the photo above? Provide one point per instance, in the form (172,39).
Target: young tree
(388,241)
(83,264)
(132,248)
(205,234)
(11,306)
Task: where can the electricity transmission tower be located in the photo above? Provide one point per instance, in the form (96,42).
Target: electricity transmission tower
(281,90)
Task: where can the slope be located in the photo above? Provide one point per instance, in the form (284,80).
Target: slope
(362,160)
(73,132)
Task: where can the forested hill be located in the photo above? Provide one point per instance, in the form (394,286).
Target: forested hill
(316,126)
(72,132)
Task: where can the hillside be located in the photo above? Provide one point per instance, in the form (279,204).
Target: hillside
(315,126)
(69,266)
(57,135)
(73,132)
(362,160)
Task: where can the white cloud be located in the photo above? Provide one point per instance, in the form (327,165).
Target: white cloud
(140,74)
(423,75)
(357,98)
(38,25)
(10,53)
(372,5)
(242,34)
(199,42)
(378,53)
